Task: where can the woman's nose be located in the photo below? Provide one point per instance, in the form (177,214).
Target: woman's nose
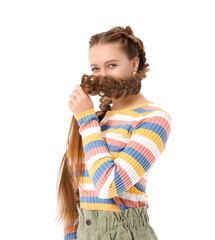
(103,72)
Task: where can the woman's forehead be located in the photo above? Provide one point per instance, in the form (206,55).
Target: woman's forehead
(104,53)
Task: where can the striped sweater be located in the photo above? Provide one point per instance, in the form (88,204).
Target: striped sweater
(119,153)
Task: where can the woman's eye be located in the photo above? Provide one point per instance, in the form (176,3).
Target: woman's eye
(112,64)
(93,68)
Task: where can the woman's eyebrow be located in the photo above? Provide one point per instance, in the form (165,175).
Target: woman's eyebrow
(112,60)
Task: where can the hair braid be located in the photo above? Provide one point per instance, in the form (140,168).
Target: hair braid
(111,87)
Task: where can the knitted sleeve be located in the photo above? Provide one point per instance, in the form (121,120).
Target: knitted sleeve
(110,176)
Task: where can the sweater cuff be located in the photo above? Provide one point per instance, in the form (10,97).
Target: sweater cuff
(86,116)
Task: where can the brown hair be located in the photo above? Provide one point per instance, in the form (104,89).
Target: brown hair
(106,87)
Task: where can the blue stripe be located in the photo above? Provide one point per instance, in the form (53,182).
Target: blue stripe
(101,169)
(138,157)
(113,148)
(122,207)
(127,127)
(70,236)
(141,110)
(140,187)
(86,199)
(118,182)
(93,144)
(87,118)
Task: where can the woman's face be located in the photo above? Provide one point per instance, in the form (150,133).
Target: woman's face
(108,59)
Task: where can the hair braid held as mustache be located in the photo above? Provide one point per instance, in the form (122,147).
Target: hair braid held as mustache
(112,87)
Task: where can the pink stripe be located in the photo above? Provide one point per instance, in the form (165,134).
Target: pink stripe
(160,121)
(88,193)
(146,107)
(114,142)
(92,123)
(130,203)
(102,180)
(143,181)
(94,151)
(119,122)
(71,229)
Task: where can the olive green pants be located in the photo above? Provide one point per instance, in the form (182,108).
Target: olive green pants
(133,223)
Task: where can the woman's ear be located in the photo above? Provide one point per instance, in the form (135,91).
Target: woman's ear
(135,64)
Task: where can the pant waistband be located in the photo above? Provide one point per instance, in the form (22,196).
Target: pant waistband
(94,219)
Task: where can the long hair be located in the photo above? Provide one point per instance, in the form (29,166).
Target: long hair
(106,87)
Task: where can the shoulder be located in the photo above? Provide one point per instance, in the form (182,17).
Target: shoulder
(154,114)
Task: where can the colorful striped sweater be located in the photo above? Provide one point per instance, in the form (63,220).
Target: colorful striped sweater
(119,153)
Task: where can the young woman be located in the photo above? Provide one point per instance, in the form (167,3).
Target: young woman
(103,174)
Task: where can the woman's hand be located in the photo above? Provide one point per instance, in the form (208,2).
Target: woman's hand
(79,101)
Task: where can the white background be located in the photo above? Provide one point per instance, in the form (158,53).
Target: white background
(43,54)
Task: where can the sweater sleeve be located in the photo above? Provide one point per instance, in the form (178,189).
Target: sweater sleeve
(110,176)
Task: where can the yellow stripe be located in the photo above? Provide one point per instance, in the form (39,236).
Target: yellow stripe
(136,191)
(97,164)
(100,206)
(125,133)
(133,162)
(112,190)
(152,136)
(92,137)
(84,113)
